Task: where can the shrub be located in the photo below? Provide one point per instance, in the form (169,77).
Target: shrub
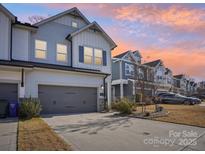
(29,108)
(124,106)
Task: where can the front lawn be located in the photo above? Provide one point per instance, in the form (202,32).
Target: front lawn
(35,134)
(182,114)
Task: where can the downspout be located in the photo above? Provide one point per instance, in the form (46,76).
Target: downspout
(11,41)
(71,52)
(105,98)
(22,77)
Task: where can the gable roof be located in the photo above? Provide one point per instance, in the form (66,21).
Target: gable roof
(121,55)
(137,53)
(179,76)
(131,53)
(74,11)
(7,12)
(96,26)
(153,63)
(168,70)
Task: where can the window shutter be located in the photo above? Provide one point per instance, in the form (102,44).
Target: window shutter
(81,54)
(104,58)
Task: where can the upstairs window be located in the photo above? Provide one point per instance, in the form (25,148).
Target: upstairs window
(74,24)
(61,53)
(129,69)
(98,56)
(40,49)
(88,55)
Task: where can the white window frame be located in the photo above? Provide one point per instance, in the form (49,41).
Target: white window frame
(141,74)
(92,57)
(65,54)
(98,57)
(73,23)
(129,69)
(40,49)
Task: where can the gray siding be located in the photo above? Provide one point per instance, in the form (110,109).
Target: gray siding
(95,40)
(67,20)
(20,47)
(5,30)
(116,70)
(128,89)
(52,33)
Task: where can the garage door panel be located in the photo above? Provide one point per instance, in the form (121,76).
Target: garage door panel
(9,91)
(62,99)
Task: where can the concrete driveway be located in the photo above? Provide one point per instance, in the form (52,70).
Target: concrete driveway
(106,131)
(8,134)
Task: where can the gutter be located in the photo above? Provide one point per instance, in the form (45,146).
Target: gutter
(105,98)
(11,41)
(71,49)
(71,52)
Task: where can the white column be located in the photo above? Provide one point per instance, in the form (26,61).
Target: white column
(121,83)
(113,93)
(133,88)
(22,89)
(109,94)
(121,90)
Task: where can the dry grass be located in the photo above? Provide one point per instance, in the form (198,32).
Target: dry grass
(36,135)
(183,114)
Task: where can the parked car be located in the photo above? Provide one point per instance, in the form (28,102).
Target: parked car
(172,98)
(196,100)
(199,96)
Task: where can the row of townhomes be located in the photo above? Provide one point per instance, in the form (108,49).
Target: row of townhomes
(66,62)
(130,77)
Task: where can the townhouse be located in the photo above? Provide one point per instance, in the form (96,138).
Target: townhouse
(64,60)
(130,77)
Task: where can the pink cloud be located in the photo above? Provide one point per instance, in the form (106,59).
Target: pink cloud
(175,16)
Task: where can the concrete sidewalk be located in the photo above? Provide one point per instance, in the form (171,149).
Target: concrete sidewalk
(8,134)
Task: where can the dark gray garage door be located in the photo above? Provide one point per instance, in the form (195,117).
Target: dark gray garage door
(62,99)
(9,91)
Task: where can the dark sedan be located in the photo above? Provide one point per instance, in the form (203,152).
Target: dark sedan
(172,98)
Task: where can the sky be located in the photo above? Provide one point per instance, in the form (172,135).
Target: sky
(174,33)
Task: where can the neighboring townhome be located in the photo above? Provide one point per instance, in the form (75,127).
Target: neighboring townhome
(162,75)
(126,72)
(180,84)
(169,77)
(64,60)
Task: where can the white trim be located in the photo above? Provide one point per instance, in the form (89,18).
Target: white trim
(119,81)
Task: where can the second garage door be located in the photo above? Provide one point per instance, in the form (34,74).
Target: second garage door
(62,99)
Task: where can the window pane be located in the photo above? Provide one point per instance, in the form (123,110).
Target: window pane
(61,57)
(61,48)
(88,51)
(74,24)
(88,55)
(98,53)
(98,61)
(87,59)
(98,56)
(40,54)
(42,45)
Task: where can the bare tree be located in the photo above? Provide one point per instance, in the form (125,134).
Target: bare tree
(140,83)
(35,18)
